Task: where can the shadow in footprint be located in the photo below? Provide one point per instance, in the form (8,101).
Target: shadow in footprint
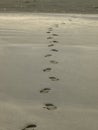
(49,37)
(50,42)
(55,50)
(54,78)
(55,34)
(63,23)
(56,25)
(54,62)
(30,127)
(70,19)
(50,29)
(55,42)
(48,32)
(45,90)
(50,106)
(48,55)
(28,1)
(50,45)
(95,7)
(47,70)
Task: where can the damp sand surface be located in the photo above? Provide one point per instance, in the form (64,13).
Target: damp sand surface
(42,89)
(53,6)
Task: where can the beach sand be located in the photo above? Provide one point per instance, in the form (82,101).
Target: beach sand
(48,72)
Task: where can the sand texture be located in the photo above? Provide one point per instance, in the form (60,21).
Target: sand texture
(48,72)
(54,6)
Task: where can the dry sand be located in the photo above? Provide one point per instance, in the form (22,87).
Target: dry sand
(48,72)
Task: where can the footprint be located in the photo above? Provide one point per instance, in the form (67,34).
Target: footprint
(96,7)
(54,62)
(50,45)
(54,78)
(50,29)
(49,37)
(30,127)
(45,90)
(26,2)
(50,42)
(70,19)
(55,34)
(63,23)
(56,25)
(55,42)
(50,106)
(47,70)
(48,55)
(55,50)
(48,32)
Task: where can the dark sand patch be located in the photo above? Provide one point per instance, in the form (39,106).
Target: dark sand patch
(53,6)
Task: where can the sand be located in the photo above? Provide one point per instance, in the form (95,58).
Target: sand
(53,6)
(48,72)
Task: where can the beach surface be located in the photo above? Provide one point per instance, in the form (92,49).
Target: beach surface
(48,71)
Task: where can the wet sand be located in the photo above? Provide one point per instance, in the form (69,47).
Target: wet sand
(46,6)
(48,72)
